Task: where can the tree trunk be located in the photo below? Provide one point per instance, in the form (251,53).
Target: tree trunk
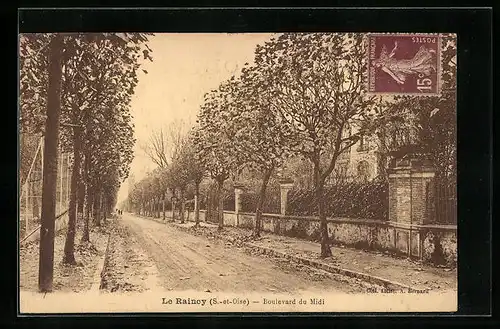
(220,205)
(173,204)
(89,211)
(50,162)
(209,205)
(183,206)
(69,245)
(197,204)
(213,203)
(319,191)
(179,207)
(260,203)
(382,154)
(97,209)
(81,196)
(103,206)
(85,236)
(163,204)
(154,207)
(158,207)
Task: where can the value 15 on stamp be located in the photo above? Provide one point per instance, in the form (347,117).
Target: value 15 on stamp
(404,64)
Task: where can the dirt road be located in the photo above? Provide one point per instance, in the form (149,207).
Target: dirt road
(186,262)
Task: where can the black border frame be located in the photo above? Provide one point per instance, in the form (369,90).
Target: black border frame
(474,106)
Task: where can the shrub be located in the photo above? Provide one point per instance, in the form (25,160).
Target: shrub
(229,201)
(271,202)
(353,199)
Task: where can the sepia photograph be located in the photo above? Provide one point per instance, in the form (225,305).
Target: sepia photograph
(237,172)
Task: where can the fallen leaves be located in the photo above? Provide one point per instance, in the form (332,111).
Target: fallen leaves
(76,278)
(381,264)
(128,267)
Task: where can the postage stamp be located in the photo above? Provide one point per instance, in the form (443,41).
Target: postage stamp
(404,64)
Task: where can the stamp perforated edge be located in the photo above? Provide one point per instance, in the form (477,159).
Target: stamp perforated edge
(366,74)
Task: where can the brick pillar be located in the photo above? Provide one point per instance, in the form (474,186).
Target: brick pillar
(411,192)
(411,201)
(285,187)
(238,190)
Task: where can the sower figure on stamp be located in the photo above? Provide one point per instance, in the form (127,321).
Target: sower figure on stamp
(398,69)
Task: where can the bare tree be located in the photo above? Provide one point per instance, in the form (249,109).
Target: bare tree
(156,148)
(164,143)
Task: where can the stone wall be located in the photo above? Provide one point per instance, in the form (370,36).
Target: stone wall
(435,244)
(440,244)
(230,219)
(189,215)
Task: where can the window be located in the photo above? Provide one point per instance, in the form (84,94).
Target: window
(363,171)
(363,144)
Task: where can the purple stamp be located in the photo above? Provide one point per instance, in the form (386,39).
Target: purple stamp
(404,64)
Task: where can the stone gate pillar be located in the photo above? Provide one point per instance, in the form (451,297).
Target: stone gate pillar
(411,200)
(196,205)
(411,191)
(238,190)
(285,186)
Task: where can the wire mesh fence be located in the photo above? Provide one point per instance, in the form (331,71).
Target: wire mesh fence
(30,203)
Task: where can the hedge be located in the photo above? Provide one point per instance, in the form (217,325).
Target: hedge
(368,200)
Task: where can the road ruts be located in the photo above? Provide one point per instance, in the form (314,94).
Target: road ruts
(188,262)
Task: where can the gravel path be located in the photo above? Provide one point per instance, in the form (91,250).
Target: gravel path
(403,270)
(187,262)
(127,268)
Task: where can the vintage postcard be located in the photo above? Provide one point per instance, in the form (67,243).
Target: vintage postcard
(243,172)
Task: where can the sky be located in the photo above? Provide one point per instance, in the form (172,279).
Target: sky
(184,68)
